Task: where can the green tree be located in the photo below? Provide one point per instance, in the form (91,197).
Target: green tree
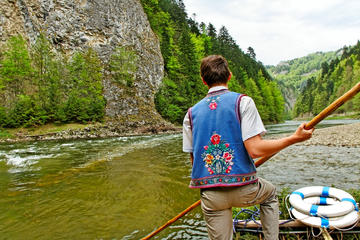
(85,101)
(184,43)
(269,102)
(211,31)
(278,102)
(251,53)
(47,78)
(16,70)
(25,113)
(123,66)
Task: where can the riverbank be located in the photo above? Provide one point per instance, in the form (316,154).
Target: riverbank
(337,136)
(342,135)
(84,131)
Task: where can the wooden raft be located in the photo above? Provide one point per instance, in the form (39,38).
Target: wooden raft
(282,224)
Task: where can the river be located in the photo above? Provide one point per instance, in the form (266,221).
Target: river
(123,188)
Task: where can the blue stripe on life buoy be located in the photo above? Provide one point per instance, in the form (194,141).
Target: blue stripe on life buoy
(324,222)
(313,210)
(299,193)
(323,201)
(325,192)
(352,201)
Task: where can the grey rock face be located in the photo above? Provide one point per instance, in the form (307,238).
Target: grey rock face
(102,25)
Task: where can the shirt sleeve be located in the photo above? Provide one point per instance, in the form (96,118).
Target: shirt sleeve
(187,135)
(251,123)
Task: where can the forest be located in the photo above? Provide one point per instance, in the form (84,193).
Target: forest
(293,72)
(335,78)
(184,42)
(40,86)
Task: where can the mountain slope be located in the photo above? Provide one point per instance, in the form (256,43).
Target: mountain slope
(294,72)
(335,79)
(74,27)
(291,74)
(184,42)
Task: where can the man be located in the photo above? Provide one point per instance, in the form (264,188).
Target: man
(223,133)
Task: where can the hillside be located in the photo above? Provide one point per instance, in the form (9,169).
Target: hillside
(129,63)
(336,77)
(294,72)
(77,61)
(291,74)
(184,42)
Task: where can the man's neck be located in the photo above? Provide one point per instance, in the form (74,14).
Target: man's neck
(217,88)
(219,85)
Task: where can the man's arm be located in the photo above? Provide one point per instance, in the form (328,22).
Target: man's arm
(258,147)
(192,159)
(187,137)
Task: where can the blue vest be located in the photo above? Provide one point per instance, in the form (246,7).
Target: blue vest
(220,157)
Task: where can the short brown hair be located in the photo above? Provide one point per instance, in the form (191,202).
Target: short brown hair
(214,69)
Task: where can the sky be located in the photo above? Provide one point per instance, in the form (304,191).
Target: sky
(281,30)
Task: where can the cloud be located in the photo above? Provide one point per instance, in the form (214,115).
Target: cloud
(283,29)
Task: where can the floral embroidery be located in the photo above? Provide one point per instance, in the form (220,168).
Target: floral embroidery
(209,158)
(224,180)
(215,139)
(213,102)
(218,156)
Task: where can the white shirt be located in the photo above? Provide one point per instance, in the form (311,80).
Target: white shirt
(251,123)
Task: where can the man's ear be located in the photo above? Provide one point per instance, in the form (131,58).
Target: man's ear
(204,81)
(230,75)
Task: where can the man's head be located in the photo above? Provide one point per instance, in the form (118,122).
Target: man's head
(214,70)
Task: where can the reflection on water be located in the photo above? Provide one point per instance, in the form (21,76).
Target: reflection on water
(124,188)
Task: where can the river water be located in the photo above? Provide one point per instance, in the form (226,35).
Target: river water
(124,188)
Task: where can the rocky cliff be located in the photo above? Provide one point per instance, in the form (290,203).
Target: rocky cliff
(102,25)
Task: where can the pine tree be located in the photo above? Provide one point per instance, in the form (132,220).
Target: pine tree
(211,31)
(46,78)
(251,53)
(85,101)
(16,70)
(123,66)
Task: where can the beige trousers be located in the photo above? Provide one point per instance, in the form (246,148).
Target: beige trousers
(217,203)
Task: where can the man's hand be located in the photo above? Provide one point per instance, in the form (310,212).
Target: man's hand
(301,134)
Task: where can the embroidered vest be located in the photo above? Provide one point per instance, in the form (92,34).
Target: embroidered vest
(220,157)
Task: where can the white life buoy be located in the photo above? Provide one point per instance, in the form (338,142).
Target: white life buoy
(337,222)
(345,205)
(321,200)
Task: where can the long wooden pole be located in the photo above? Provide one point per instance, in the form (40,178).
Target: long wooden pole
(333,106)
(323,114)
(191,207)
